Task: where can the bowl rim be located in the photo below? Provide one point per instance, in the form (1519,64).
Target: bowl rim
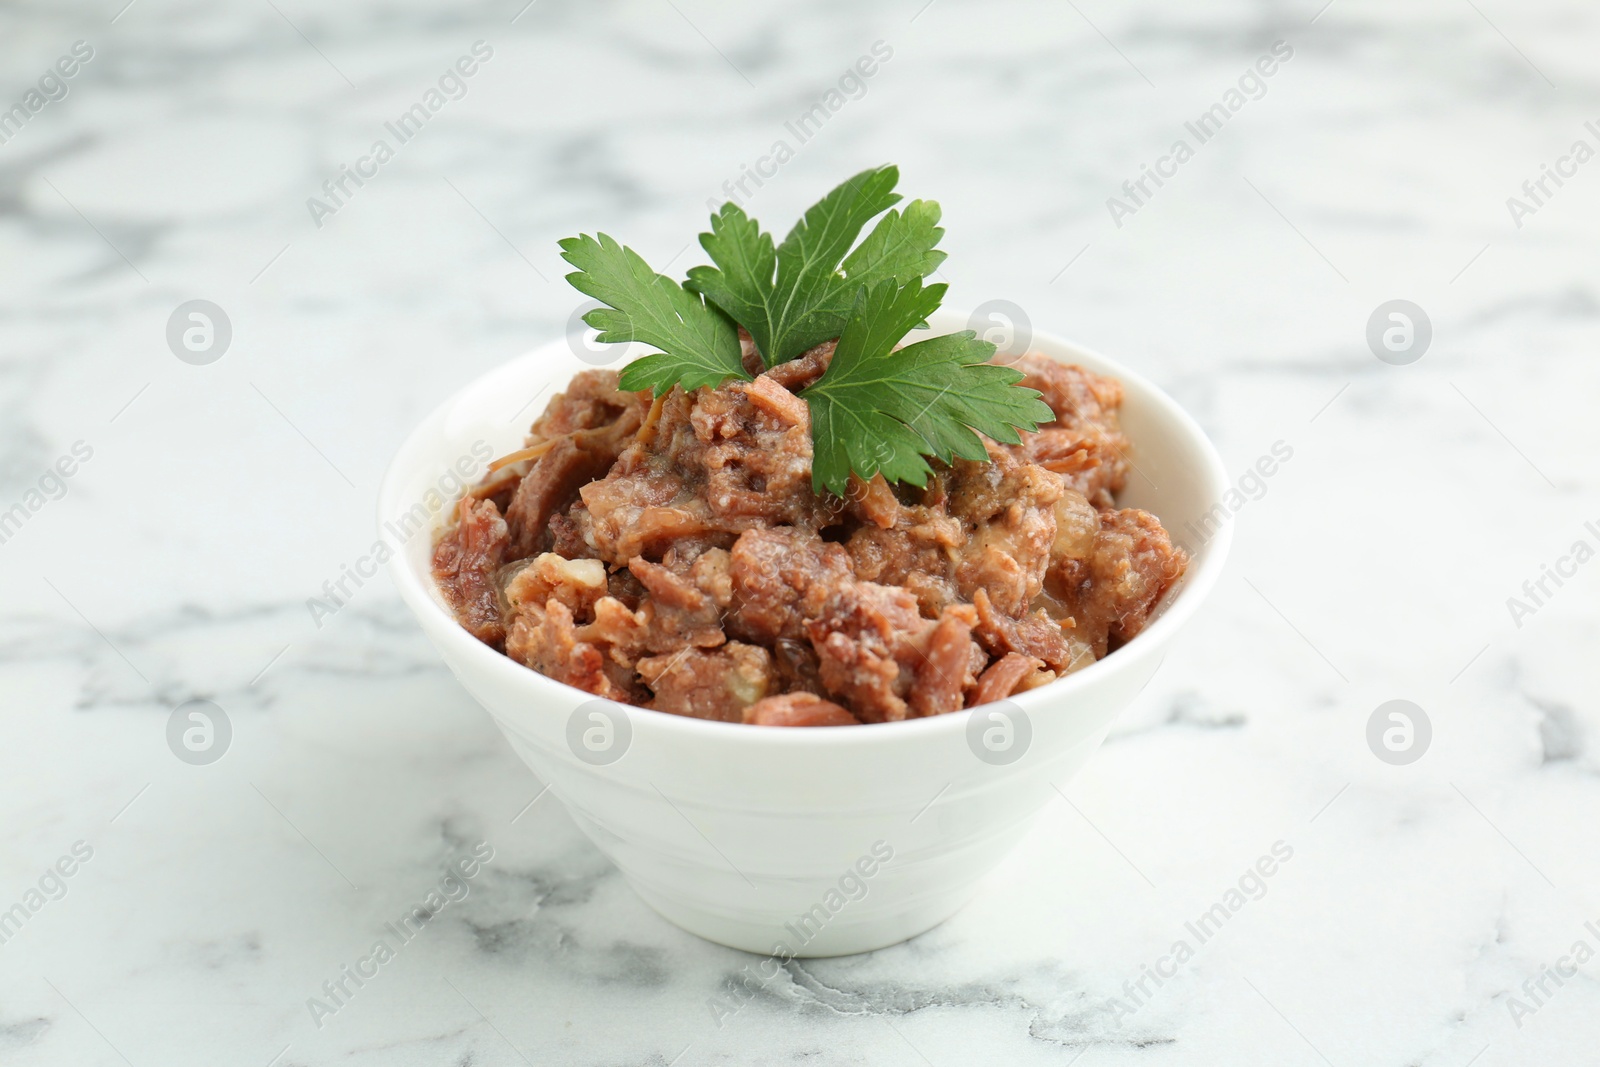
(1196,584)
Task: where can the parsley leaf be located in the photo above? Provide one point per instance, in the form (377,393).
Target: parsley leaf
(816,280)
(699,344)
(900,247)
(877,410)
(742,288)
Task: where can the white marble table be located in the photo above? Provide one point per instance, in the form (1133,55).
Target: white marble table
(1375,564)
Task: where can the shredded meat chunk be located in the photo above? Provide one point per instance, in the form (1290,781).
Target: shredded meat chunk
(577,583)
(591,401)
(772,571)
(798,709)
(805,368)
(883,659)
(1010,509)
(714,464)
(670,552)
(1086,443)
(717,684)
(575,440)
(552,483)
(545,639)
(1112,591)
(676,611)
(464,565)
(1002,677)
(1035,634)
(950,661)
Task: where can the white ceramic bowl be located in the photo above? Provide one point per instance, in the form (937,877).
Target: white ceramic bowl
(774,840)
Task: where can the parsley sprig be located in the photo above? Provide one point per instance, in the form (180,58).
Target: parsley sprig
(877,409)
(699,344)
(817,275)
